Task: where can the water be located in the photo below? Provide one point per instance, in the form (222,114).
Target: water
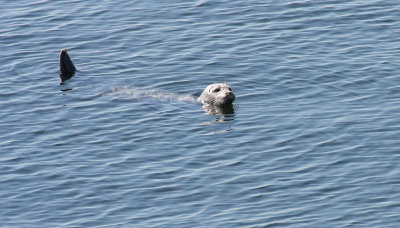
(313,141)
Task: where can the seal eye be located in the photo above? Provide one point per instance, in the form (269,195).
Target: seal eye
(216,90)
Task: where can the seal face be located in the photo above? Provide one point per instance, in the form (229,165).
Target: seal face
(217,94)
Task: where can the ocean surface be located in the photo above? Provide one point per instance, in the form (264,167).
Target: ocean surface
(313,140)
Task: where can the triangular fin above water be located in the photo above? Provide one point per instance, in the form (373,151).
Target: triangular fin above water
(67,68)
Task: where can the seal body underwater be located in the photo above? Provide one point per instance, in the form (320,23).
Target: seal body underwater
(67,68)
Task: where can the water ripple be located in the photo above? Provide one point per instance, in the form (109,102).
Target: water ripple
(313,141)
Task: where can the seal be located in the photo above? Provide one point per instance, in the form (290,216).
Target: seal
(67,68)
(217,95)
(216,98)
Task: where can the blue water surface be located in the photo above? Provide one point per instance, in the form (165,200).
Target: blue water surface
(313,141)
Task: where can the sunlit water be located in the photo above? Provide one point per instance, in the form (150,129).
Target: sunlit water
(313,141)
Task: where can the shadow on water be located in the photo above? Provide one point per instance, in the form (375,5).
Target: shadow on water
(67,89)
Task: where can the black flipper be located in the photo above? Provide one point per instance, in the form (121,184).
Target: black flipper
(67,68)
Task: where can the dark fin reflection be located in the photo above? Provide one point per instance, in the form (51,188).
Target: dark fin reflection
(67,68)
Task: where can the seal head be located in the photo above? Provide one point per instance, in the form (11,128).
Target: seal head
(217,94)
